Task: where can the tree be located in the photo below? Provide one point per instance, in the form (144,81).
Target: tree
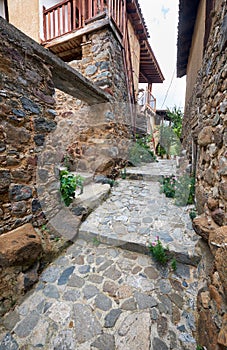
(176,117)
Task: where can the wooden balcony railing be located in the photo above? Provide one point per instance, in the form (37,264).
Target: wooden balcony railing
(147,100)
(62,18)
(70,15)
(117,11)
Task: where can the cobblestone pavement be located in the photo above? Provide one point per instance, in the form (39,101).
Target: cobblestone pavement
(98,296)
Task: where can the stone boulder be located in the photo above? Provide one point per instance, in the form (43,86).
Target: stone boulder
(218,215)
(222,336)
(218,239)
(21,246)
(205,136)
(218,246)
(203,227)
(221,266)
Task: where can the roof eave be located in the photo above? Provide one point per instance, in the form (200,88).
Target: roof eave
(149,67)
(186,23)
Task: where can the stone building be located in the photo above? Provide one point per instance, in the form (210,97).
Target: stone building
(81,31)
(202,56)
(107,41)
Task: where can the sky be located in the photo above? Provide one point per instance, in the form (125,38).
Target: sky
(161,17)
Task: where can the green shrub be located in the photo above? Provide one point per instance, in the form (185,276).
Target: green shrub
(68,185)
(158,251)
(161,151)
(181,188)
(140,152)
(168,186)
(176,118)
(174,264)
(185,190)
(192,214)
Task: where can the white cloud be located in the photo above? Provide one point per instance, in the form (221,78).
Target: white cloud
(165,11)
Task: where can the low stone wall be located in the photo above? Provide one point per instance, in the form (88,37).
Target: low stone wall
(205,139)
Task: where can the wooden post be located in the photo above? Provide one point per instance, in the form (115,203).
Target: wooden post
(44,24)
(59,21)
(74,15)
(69,9)
(101,5)
(49,24)
(89,9)
(82,16)
(63,18)
(54,26)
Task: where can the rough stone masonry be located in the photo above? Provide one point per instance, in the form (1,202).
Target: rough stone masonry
(205,126)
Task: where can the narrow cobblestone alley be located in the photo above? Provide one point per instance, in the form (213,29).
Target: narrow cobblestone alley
(105,292)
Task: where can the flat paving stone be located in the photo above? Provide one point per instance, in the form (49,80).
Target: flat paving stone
(112,317)
(104,342)
(86,325)
(65,275)
(138,324)
(24,328)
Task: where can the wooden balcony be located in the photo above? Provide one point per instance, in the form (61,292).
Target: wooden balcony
(66,24)
(71,15)
(147,101)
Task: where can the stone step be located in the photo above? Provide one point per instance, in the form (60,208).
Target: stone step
(91,198)
(152,171)
(135,214)
(185,256)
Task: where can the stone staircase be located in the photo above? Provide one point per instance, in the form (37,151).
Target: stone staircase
(105,292)
(136,213)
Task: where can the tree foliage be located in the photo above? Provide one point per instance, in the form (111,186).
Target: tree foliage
(176,117)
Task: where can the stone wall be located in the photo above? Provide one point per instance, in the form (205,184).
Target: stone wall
(27,116)
(103,131)
(102,62)
(205,139)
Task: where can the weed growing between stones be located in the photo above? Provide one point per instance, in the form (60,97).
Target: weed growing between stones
(174,264)
(123,174)
(96,242)
(182,189)
(68,185)
(168,186)
(160,253)
(192,214)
